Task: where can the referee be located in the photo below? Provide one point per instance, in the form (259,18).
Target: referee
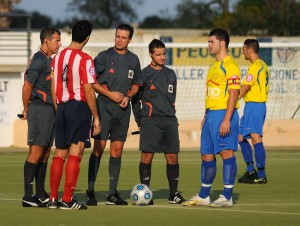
(39,113)
(154,111)
(119,76)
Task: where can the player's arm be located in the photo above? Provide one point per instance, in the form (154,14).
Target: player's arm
(53,93)
(136,106)
(112,95)
(244,90)
(91,101)
(26,94)
(134,89)
(203,120)
(35,67)
(225,125)
(249,80)
(126,99)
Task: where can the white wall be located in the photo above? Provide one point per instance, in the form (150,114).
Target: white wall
(10,105)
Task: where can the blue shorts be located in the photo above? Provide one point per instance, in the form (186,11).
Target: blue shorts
(253,119)
(72,123)
(211,141)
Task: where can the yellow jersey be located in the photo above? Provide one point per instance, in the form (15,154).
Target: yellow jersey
(222,76)
(257,78)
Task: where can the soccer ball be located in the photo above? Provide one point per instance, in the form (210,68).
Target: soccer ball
(141,195)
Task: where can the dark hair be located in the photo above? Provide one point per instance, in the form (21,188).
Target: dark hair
(81,30)
(253,44)
(48,32)
(126,27)
(221,35)
(155,43)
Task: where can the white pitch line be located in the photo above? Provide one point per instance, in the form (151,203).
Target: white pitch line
(211,209)
(231,209)
(3,199)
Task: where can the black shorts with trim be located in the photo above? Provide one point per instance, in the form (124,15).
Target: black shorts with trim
(73,123)
(40,119)
(159,134)
(114,120)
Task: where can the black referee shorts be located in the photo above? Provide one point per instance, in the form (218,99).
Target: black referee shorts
(159,134)
(114,120)
(41,119)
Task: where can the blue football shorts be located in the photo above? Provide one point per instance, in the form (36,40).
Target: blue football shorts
(211,141)
(253,119)
(73,123)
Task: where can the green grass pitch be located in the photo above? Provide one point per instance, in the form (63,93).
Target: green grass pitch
(276,203)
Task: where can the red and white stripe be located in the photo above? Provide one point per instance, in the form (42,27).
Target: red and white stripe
(81,70)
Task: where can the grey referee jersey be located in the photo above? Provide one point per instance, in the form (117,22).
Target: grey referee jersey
(159,92)
(38,74)
(117,72)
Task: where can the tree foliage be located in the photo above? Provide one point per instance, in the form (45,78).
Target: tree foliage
(284,17)
(266,17)
(192,14)
(156,22)
(37,20)
(106,13)
(246,17)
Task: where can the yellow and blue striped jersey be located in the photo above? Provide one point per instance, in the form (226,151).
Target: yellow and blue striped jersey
(222,76)
(257,78)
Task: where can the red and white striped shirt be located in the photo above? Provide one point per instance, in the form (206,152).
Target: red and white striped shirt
(71,68)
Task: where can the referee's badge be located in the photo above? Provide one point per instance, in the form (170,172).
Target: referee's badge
(130,74)
(171,89)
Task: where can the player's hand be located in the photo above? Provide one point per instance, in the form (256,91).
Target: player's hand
(224,128)
(124,103)
(116,96)
(24,115)
(97,126)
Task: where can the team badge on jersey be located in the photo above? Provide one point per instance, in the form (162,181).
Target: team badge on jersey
(130,74)
(171,89)
(112,71)
(249,78)
(92,71)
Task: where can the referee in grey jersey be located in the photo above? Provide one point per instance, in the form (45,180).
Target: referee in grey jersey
(154,111)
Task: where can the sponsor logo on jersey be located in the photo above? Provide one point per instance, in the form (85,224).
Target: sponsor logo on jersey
(213,92)
(130,74)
